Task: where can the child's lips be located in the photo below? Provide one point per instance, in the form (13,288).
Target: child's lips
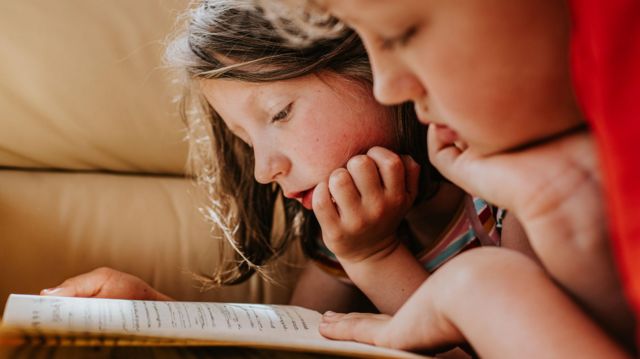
(307,198)
(445,134)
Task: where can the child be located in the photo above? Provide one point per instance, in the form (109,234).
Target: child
(484,79)
(306,120)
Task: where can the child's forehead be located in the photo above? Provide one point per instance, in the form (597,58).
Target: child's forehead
(366,12)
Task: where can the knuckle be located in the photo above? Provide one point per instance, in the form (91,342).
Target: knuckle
(393,162)
(339,177)
(103,271)
(359,162)
(378,151)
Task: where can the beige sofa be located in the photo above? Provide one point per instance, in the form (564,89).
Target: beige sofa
(92,154)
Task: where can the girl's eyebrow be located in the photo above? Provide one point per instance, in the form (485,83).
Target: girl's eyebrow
(255,101)
(261,100)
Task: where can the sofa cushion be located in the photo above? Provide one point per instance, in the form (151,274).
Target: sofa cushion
(57,225)
(83,87)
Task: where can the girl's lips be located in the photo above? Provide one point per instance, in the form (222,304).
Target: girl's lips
(306,199)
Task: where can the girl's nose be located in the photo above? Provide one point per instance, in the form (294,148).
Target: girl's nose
(269,165)
(394,83)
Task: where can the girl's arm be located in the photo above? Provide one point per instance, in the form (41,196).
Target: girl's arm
(499,301)
(359,211)
(388,277)
(321,291)
(388,283)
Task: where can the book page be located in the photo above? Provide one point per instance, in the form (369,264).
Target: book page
(277,326)
(157,318)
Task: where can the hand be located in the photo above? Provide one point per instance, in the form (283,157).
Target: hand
(500,302)
(535,182)
(106,283)
(554,189)
(361,207)
(387,331)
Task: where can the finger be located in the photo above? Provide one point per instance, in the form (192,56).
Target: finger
(442,155)
(391,169)
(84,285)
(452,164)
(412,176)
(324,208)
(330,316)
(364,173)
(58,292)
(361,327)
(127,286)
(461,145)
(344,192)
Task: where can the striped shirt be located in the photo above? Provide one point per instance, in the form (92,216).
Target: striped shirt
(475,224)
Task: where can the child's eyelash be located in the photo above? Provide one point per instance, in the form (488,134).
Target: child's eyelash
(283,114)
(399,41)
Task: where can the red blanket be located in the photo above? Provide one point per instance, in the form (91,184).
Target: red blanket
(605,60)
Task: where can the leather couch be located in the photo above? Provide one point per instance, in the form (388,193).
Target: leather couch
(92,156)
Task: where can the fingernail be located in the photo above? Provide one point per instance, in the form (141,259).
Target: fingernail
(50,291)
(329,313)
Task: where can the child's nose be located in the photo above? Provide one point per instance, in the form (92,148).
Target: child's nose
(268,167)
(394,83)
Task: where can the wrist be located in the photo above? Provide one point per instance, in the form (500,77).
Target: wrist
(372,255)
(396,269)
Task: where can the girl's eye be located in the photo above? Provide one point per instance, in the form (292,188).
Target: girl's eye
(399,41)
(283,114)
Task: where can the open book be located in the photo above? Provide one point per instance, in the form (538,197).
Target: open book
(65,321)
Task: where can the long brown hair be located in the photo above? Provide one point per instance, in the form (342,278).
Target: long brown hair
(232,39)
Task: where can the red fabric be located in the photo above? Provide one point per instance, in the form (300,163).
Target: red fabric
(605,60)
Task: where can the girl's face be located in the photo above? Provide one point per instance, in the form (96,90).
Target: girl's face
(301,129)
(492,74)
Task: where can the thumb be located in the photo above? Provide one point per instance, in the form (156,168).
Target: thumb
(442,155)
(84,285)
(361,327)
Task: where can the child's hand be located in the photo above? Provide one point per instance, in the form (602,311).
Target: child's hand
(554,190)
(499,301)
(360,208)
(375,329)
(533,182)
(106,283)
